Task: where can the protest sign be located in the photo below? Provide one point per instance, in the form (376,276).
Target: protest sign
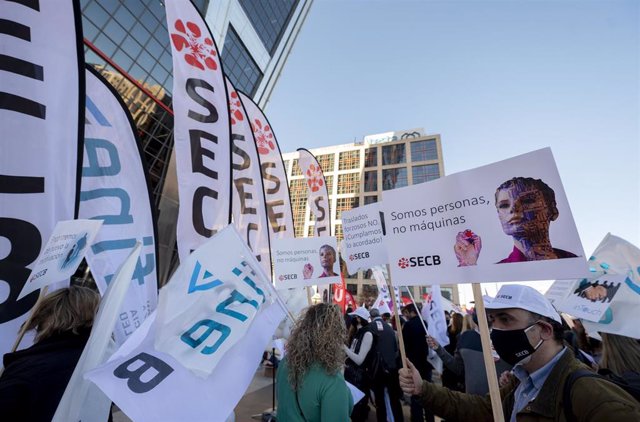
(363,245)
(114,189)
(589,299)
(433,314)
(210,302)
(201,127)
(559,290)
(305,261)
(62,254)
(248,201)
(383,289)
(151,386)
(318,198)
(502,222)
(83,401)
(42,121)
(615,255)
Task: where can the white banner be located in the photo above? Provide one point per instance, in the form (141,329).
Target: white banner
(363,244)
(615,255)
(383,288)
(62,254)
(305,261)
(215,290)
(201,128)
(590,299)
(114,190)
(83,401)
(318,197)
(41,116)
(433,314)
(502,222)
(248,202)
(558,290)
(153,385)
(274,175)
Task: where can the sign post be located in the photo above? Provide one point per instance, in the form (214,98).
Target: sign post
(396,309)
(489,364)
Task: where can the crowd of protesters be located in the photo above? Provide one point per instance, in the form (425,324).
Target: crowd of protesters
(548,370)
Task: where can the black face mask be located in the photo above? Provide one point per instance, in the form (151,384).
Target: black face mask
(513,345)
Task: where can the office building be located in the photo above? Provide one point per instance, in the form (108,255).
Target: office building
(356,174)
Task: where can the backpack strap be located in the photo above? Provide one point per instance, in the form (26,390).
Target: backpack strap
(568,386)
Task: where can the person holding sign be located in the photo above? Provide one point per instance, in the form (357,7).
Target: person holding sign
(310,384)
(527,332)
(35,378)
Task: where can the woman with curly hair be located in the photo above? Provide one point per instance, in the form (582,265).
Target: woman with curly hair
(310,384)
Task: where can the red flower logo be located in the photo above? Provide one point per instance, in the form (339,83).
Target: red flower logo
(235,108)
(264,137)
(468,234)
(197,52)
(403,263)
(351,258)
(315,179)
(281,278)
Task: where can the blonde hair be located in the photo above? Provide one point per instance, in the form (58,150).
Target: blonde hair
(69,309)
(620,354)
(317,337)
(468,324)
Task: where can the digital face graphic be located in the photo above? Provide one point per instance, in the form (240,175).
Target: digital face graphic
(327,257)
(523,211)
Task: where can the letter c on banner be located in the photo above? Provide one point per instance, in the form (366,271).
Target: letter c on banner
(134,378)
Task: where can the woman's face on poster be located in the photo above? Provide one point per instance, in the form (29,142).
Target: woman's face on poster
(522,211)
(596,293)
(327,258)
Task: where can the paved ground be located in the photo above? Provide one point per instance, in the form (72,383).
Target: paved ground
(256,400)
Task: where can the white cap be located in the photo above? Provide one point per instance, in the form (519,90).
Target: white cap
(523,297)
(362,312)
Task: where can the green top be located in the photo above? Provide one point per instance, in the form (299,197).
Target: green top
(322,397)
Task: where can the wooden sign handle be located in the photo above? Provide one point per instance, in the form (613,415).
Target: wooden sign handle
(490,365)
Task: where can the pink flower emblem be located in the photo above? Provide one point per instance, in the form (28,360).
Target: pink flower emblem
(198,52)
(264,137)
(235,108)
(315,179)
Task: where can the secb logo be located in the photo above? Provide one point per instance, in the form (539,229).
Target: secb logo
(284,277)
(359,255)
(419,261)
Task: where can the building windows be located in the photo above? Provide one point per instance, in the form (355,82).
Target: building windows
(326,162)
(295,170)
(371,181)
(338,232)
(329,180)
(349,183)
(349,160)
(311,231)
(345,204)
(425,173)
(239,66)
(394,178)
(269,18)
(447,293)
(286,166)
(424,150)
(352,288)
(371,157)
(393,154)
(298,192)
(370,199)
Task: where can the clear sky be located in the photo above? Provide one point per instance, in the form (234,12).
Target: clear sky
(495,78)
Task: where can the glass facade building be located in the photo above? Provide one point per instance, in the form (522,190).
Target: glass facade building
(128,42)
(364,170)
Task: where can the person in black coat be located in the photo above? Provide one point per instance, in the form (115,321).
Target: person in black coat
(415,345)
(35,378)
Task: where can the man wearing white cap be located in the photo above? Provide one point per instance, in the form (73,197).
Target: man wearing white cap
(527,333)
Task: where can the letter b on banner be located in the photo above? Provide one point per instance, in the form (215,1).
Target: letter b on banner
(134,378)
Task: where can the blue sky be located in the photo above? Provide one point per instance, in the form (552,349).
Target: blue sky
(494,78)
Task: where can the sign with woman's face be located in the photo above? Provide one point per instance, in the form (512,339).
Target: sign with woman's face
(513,212)
(305,261)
